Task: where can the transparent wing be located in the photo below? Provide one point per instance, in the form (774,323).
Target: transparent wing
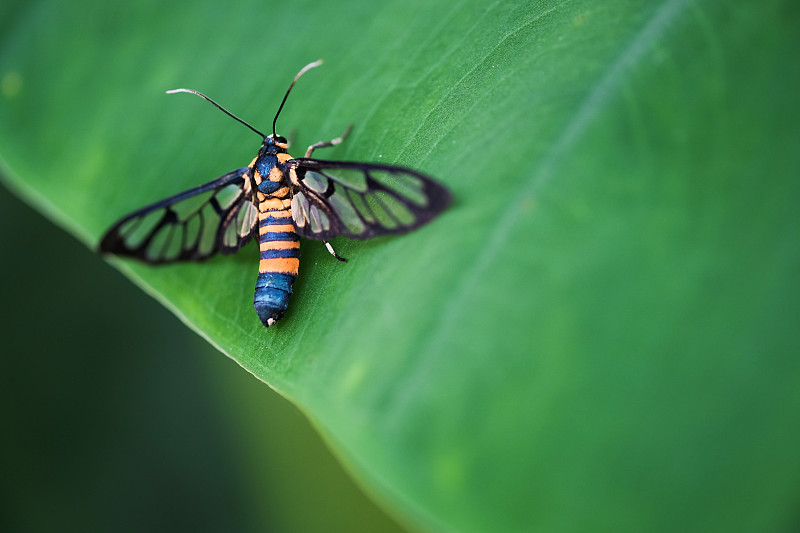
(362,200)
(191,226)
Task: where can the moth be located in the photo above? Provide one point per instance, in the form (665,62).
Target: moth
(277,199)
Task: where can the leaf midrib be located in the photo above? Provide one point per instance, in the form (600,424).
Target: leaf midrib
(540,173)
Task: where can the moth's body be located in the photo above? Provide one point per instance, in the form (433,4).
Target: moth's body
(277,239)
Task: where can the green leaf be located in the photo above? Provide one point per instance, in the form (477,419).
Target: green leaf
(600,334)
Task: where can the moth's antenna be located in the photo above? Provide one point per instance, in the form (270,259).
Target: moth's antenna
(302,71)
(201,95)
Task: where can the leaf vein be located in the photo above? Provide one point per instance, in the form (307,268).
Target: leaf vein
(541,173)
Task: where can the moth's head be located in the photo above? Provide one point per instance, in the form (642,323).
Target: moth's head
(274,144)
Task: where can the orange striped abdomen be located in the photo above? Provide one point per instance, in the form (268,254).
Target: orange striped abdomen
(280,260)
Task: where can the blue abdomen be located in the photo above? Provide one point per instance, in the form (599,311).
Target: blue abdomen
(272,296)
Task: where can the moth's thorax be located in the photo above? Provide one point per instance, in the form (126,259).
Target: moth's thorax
(269,167)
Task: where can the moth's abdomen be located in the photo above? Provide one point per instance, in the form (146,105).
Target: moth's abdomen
(272,296)
(280,260)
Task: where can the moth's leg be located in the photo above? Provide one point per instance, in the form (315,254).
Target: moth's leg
(334,254)
(325,144)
